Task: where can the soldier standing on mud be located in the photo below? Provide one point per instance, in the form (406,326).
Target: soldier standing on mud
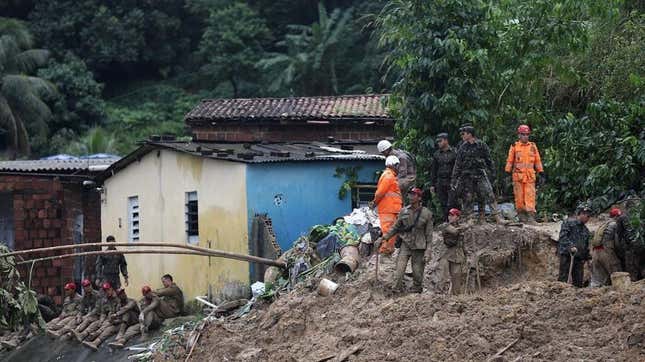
(109,266)
(414,228)
(443,161)
(626,247)
(604,261)
(573,247)
(472,175)
(454,257)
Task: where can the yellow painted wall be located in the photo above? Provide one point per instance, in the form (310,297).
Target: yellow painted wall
(160,180)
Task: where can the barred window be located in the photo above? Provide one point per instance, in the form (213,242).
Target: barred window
(192,218)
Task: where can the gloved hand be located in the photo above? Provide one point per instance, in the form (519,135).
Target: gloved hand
(573,250)
(141,317)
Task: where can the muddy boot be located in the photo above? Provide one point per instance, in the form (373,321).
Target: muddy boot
(80,336)
(93,345)
(53,334)
(119,335)
(522,216)
(531,219)
(118,344)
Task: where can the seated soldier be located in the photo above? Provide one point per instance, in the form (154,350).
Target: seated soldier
(71,306)
(119,321)
(85,314)
(172,298)
(149,318)
(108,305)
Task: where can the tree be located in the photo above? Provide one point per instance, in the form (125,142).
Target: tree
(22,109)
(233,42)
(96,140)
(308,67)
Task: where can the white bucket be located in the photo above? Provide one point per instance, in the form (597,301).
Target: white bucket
(327,287)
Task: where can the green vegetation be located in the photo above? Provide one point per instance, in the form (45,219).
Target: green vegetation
(116,72)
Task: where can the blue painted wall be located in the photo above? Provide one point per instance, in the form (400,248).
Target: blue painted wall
(298,195)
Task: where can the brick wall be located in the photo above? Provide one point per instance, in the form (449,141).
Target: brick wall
(291,132)
(44,212)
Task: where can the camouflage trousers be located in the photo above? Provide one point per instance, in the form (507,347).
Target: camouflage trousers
(473,188)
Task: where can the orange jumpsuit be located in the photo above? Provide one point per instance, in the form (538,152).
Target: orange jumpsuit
(524,161)
(389,202)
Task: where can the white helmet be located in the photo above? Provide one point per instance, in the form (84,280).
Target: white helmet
(383,145)
(391,161)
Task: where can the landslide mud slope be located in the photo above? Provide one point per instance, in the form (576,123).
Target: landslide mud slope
(519,302)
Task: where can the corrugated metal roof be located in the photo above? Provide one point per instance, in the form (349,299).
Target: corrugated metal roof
(275,152)
(54,165)
(354,107)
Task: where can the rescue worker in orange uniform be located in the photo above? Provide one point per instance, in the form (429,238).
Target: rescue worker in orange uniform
(388,201)
(525,165)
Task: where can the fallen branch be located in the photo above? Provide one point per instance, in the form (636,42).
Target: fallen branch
(501,351)
(210,252)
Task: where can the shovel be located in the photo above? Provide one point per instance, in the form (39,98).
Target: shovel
(570,278)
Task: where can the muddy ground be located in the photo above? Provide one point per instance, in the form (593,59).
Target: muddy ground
(517,302)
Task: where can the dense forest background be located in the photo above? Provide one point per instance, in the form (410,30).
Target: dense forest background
(90,76)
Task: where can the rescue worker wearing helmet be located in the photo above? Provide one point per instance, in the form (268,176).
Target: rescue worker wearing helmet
(407,170)
(85,315)
(149,317)
(117,322)
(71,306)
(525,165)
(107,305)
(388,201)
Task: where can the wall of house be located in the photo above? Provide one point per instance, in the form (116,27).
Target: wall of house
(160,180)
(299,195)
(237,132)
(44,213)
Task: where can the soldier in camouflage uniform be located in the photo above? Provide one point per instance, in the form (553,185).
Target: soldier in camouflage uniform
(472,175)
(454,257)
(109,266)
(71,305)
(85,314)
(574,243)
(604,261)
(107,305)
(414,228)
(117,322)
(443,161)
(172,298)
(627,248)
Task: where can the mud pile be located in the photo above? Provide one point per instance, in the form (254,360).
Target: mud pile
(363,321)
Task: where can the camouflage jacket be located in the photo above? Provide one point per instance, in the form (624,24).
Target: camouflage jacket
(574,233)
(415,236)
(89,301)
(128,306)
(173,298)
(473,159)
(111,265)
(407,167)
(107,306)
(443,162)
(71,305)
(453,238)
(625,231)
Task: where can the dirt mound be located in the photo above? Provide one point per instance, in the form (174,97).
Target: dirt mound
(543,320)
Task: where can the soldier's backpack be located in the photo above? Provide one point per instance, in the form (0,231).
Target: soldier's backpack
(596,241)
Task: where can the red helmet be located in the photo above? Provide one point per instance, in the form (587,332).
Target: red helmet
(523,129)
(106,286)
(145,290)
(86,283)
(70,286)
(454,212)
(615,212)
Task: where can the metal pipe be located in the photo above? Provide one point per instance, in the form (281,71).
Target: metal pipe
(108,252)
(210,252)
(203,300)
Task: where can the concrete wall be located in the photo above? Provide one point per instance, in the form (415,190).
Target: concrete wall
(160,180)
(297,196)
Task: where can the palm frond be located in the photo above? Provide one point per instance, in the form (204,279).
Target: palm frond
(28,60)
(17,30)
(16,85)
(8,49)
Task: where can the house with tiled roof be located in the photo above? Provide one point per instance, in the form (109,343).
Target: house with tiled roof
(256,175)
(52,202)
